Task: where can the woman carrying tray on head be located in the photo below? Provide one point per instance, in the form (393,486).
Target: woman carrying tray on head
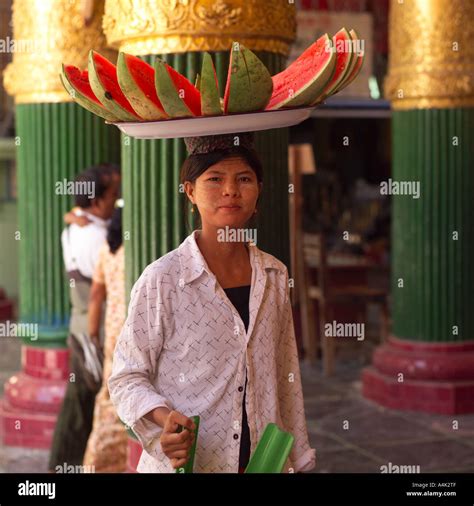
(210,330)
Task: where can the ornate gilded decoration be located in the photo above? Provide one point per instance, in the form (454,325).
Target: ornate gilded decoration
(431,54)
(46,34)
(176,26)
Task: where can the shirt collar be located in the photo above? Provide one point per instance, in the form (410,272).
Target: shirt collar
(193,263)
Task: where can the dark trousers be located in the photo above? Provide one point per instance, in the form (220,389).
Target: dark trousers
(74,423)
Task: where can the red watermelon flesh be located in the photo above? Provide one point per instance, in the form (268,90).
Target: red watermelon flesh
(315,65)
(76,83)
(353,63)
(144,76)
(107,73)
(81,82)
(341,40)
(348,80)
(192,96)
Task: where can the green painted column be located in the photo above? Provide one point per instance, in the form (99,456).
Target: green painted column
(427,364)
(433,236)
(55,140)
(154,211)
(54,143)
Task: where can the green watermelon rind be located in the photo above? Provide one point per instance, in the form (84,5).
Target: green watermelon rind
(352,63)
(99,92)
(355,72)
(329,91)
(306,94)
(141,104)
(166,90)
(83,101)
(355,38)
(210,98)
(251,86)
(360,57)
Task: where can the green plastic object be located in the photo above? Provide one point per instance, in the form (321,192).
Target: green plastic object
(188,467)
(272,451)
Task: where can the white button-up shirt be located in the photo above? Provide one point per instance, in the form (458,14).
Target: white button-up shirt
(184,346)
(81,245)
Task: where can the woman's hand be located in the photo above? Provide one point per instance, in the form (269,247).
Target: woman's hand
(72,218)
(177,445)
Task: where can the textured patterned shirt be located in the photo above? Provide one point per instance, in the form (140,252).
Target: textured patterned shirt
(184,346)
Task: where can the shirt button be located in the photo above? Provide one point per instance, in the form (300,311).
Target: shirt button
(241,389)
(236,436)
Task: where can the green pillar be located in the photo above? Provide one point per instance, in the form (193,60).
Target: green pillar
(56,139)
(433,236)
(428,362)
(55,142)
(154,214)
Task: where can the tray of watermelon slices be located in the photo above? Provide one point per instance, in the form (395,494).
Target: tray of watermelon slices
(157,102)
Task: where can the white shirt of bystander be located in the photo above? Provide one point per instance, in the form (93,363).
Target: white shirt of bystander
(81,245)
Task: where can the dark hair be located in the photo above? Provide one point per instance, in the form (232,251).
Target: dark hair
(101,177)
(114,231)
(195,165)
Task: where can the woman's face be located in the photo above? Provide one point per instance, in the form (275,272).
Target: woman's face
(225,194)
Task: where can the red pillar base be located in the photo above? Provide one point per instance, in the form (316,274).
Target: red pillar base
(430,377)
(134,453)
(33,397)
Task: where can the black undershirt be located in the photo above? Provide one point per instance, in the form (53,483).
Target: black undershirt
(239,296)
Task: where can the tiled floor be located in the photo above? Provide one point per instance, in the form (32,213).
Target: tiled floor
(350,434)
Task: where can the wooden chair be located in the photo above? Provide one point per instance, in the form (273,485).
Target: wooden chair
(314,294)
(317,288)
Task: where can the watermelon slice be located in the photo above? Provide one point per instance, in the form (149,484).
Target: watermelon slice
(209,87)
(76,83)
(104,84)
(137,81)
(249,85)
(305,79)
(354,60)
(355,69)
(179,97)
(342,41)
(355,72)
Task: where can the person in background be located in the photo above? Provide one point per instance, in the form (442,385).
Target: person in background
(81,246)
(107,446)
(76,215)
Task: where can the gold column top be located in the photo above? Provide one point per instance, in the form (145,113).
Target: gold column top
(144,27)
(431,58)
(47,33)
